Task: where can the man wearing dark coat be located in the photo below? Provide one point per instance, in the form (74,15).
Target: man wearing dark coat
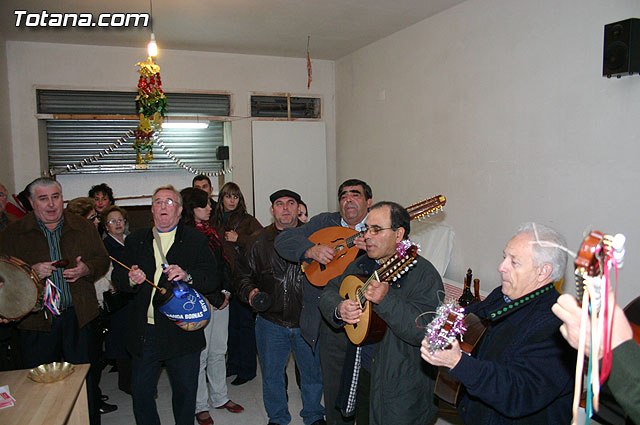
(153,338)
(355,198)
(273,286)
(522,369)
(393,386)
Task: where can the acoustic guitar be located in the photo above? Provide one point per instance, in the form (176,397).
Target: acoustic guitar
(342,240)
(372,328)
(447,387)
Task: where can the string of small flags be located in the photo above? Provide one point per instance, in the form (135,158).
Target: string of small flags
(95,158)
(190,169)
(118,143)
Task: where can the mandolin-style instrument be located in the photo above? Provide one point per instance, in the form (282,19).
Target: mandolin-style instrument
(342,240)
(372,328)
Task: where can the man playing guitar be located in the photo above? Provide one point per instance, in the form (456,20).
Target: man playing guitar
(355,198)
(393,386)
(522,370)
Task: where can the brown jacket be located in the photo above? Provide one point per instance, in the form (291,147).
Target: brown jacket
(24,240)
(245,227)
(261,267)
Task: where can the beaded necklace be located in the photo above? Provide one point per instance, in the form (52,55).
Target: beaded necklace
(520,302)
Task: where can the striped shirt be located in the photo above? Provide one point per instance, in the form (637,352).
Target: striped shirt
(53,239)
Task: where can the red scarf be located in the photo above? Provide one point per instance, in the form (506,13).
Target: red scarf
(214,240)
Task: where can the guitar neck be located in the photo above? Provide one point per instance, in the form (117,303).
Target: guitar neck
(426,207)
(351,240)
(360,292)
(391,269)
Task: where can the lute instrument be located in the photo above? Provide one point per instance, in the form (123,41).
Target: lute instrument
(342,240)
(372,328)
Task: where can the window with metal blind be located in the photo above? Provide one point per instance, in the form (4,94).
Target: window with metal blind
(78,126)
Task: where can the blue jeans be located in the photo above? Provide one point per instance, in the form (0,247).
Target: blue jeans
(274,344)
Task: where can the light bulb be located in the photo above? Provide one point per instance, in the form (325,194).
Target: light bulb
(152,47)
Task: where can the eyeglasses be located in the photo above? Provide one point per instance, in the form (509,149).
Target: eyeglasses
(167,202)
(93,217)
(115,220)
(374,230)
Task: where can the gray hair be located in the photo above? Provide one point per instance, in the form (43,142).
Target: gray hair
(171,189)
(42,182)
(548,246)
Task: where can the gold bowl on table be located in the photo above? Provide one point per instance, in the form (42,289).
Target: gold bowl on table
(51,372)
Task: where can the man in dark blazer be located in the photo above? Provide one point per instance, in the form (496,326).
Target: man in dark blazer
(153,338)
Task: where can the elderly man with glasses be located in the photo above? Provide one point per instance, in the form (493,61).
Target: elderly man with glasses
(153,339)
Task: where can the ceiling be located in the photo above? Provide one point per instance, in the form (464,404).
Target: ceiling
(259,27)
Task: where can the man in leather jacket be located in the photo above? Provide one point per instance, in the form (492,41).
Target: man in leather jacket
(273,286)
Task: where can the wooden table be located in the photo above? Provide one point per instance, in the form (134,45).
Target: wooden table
(58,403)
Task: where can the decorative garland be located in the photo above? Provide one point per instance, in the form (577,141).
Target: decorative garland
(118,143)
(447,324)
(192,170)
(95,158)
(151,104)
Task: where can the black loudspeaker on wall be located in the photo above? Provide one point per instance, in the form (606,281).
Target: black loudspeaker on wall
(621,48)
(223,153)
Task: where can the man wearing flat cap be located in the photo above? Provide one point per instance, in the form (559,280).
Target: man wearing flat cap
(273,287)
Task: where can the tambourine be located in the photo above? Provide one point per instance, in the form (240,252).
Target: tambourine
(21,290)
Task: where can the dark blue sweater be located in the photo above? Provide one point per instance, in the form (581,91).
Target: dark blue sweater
(522,371)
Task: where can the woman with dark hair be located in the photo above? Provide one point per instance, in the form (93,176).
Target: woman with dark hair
(303,213)
(235,225)
(103,197)
(86,207)
(212,381)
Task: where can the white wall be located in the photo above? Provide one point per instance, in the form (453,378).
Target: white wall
(34,65)
(501,106)
(6,170)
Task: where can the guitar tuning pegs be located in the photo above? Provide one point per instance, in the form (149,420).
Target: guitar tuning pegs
(618,248)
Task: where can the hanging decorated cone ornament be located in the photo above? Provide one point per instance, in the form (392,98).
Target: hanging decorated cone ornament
(151,105)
